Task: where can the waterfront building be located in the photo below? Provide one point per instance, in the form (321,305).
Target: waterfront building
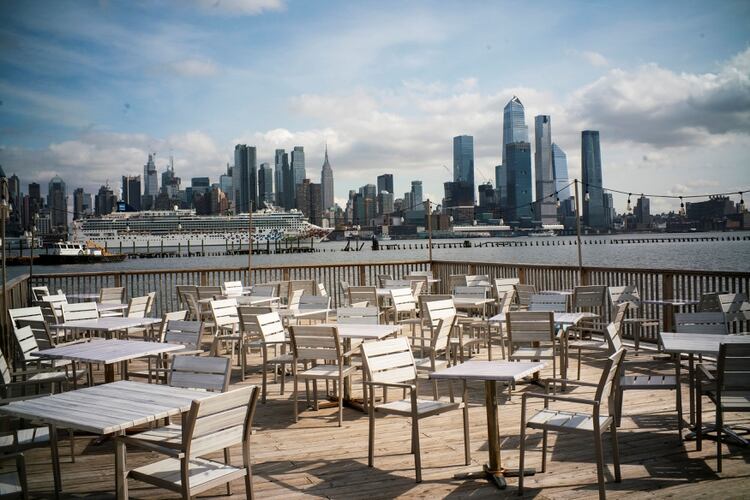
(514,125)
(219,204)
(416,196)
(518,164)
(150,179)
(288,179)
(501,184)
(385,203)
(278,177)
(463,162)
(642,211)
(131,191)
(407,203)
(105,201)
(458,194)
(246,182)
(326,182)
(226,183)
(170,183)
(385,183)
(78,203)
(594,213)
(560,169)
(57,202)
(310,201)
(488,198)
(298,165)
(35,203)
(546,209)
(265,184)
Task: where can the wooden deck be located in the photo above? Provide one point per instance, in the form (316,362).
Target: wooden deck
(316,458)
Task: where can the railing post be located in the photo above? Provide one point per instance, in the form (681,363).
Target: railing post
(472,269)
(285,274)
(204,278)
(667,292)
(118,280)
(522,275)
(362,275)
(585,276)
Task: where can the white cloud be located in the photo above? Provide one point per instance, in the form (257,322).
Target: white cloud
(595,59)
(194,67)
(243,7)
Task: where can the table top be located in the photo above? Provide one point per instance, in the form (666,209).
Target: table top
(470,301)
(107,324)
(300,313)
(108,408)
(364,331)
(560,318)
(107,351)
(110,306)
(673,302)
(502,371)
(245,300)
(697,343)
(83,296)
(557,292)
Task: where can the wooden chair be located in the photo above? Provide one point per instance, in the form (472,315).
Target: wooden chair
(455,280)
(420,283)
(294,299)
(404,308)
(225,324)
(212,424)
(271,335)
(531,337)
(78,312)
(179,332)
(391,283)
(181,315)
(593,422)
(546,302)
(441,319)
(728,389)
(34,312)
(367,294)
(208,292)
(477,280)
(114,295)
(45,371)
(314,302)
(182,292)
(233,289)
(501,286)
(52,303)
(524,293)
(322,290)
(735,307)
(314,344)
(390,364)
(635,317)
(596,345)
(37,292)
(308,287)
(137,307)
(344,287)
(702,322)
(265,290)
(13,482)
(382,278)
(505,303)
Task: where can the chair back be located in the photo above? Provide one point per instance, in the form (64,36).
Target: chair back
(417,286)
(193,307)
(382,278)
(220,422)
(477,280)
(609,378)
(294,299)
(51,316)
(589,297)
(137,307)
(505,300)
(269,326)
(224,312)
(474,292)
(80,311)
(208,292)
(441,318)
(265,291)
(389,361)
(403,300)
(308,287)
(503,285)
(34,312)
(525,327)
(391,283)
(182,291)
(150,304)
(358,315)
(322,290)
(702,322)
(187,333)
(40,330)
(210,373)
(524,293)
(548,302)
(247,313)
(344,285)
(734,306)
(313,343)
(618,315)
(613,335)
(37,292)
(709,302)
(367,294)
(114,295)
(54,302)
(314,302)
(5,377)
(233,288)
(418,279)
(733,367)
(422,274)
(627,293)
(26,343)
(455,280)
(170,316)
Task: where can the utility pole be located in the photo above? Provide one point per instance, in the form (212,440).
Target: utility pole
(578,227)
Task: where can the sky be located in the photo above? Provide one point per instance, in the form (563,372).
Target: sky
(89,88)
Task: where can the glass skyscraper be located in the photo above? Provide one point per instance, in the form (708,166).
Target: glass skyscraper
(326,183)
(560,168)
(518,165)
(463,161)
(514,124)
(298,165)
(245,175)
(545,178)
(594,211)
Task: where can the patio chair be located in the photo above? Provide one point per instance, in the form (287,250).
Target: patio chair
(629,294)
(182,292)
(13,482)
(500,286)
(322,290)
(212,424)
(390,364)
(728,389)
(477,280)
(54,304)
(553,302)
(382,278)
(313,344)
(593,422)
(524,293)
(311,303)
(531,337)
(271,335)
(233,288)
(505,303)
(225,327)
(441,318)
(114,295)
(37,292)
(358,294)
(404,308)
(55,370)
(735,307)
(175,331)
(137,307)
(595,345)
(455,280)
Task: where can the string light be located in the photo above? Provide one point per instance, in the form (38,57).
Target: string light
(587,196)
(682,207)
(742,203)
(557,201)
(630,208)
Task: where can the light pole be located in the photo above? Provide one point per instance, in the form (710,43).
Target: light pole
(578,227)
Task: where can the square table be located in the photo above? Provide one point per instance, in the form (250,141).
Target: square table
(108,352)
(107,325)
(110,307)
(364,331)
(105,409)
(491,372)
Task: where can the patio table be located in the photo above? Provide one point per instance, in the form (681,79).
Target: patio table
(84,296)
(110,307)
(106,325)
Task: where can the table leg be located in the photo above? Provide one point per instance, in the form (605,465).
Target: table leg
(109,373)
(121,470)
(55,460)
(494,468)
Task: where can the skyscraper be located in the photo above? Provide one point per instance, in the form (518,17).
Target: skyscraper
(543,171)
(514,124)
(265,184)
(594,213)
(226,184)
(309,201)
(150,180)
(385,183)
(131,190)
(326,183)
(560,168)
(105,201)
(78,203)
(278,174)
(288,177)
(463,162)
(298,165)
(57,202)
(501,185)
(416,196)
(245,178)
(518,164)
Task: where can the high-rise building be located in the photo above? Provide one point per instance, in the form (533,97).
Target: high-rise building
(298,165)
(218,202)
(326,182)
(77,203)
(642,211)
(105,201)
(170,184)
(385,203)
(457,194)
(407,203)
(463,162)
(501,185)
(57,202)
(226,184)
(288,176)
(518,164)
(416,196)
(514,124)
(278,177)
(309,201)
(543,171)
(560,168)
(265,184)
(131,191)
(488,198)
(594,213)
(245,177)
(385,183)
(150,179)
(35,202)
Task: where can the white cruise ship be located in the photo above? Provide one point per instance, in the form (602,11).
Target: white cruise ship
(170,228)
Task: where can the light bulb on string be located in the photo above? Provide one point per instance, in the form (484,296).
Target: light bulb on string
(742,203)
(587,196)
(557,201)
(682,207)
(630,208)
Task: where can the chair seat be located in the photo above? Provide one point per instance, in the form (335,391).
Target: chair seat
(424,407)
(732,400)
(325,371)
(533,353)
(25,438)
(569,421)
(648,382)
(202,472)
(282,359)
(424,364)
(169,436)
(597,345)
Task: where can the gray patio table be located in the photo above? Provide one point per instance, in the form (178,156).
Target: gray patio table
(106,325)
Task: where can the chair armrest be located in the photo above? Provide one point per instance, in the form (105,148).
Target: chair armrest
(147,445)
(556,397)
(397,385)
(701,372)
(186,353)
(570,382)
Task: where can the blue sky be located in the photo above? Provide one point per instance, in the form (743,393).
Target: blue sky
(89,88)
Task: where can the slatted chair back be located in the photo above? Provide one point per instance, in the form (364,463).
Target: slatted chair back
(613,335)
(733,367)
(244,313)
(193,307)
(269,326)
(524,293)
(441,318)
(187,333)
(233,288)
(37,292)
(589,297)
(548,302)
(51,316)
(27,344)
(264,291)
(367,294)
(474,292)
(182,291)
(220,422)
(382,278)
(505,300)
(294,299)
(358,315)
(389,361)
(477,280)
(391,283)
(210,373)
(114,295)
(55,302)
(208,292)
(137,307)
(344,285)
(40,330)
(34,313)
(418,279)
(322,290)
(709,302)
(528,327)
(417,286)
(224,312)
(621,294)
(734,306)
(308,287)
(427,274)
(314,302)
(455,280)
(150,304)
(315,343)
(80,311)
(171,316)
(5,377)
(618,315)
(702,322)
(608,380)
(403,301)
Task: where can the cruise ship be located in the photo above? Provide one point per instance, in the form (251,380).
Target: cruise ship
(170,228)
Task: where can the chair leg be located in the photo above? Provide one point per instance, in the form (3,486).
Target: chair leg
(599,462)
(615,453)
(618,405)
(264,383)
(283,377)
(522,451)
(227,460)
(341,399)
(698,420)
(544,450)
(467,437)
(678,404)
(315,395)
(294,397)
(578,377)
(415,446)
(71,436)
(719,428)
(371,433)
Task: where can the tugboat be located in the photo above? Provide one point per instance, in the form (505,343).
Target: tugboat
(68,252)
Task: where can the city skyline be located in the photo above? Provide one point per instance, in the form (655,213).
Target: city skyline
(99,86)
